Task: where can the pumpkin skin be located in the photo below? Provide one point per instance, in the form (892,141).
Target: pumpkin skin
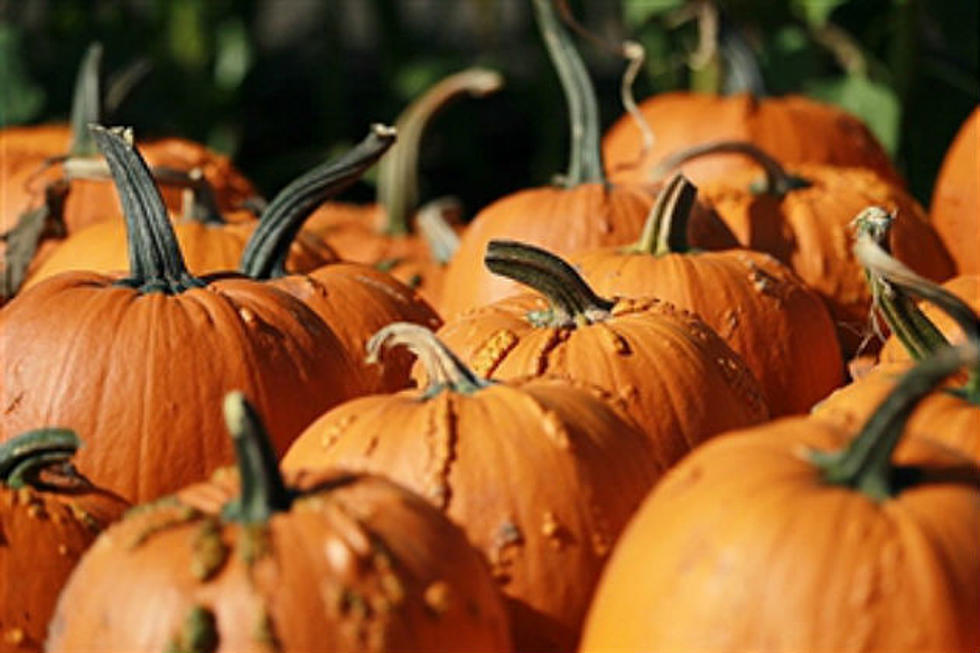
(792,128)
(955,207)
(46,525)
(575,471)
(352,563)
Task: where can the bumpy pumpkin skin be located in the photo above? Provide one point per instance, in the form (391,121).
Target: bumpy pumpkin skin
(760,554)
(540,474)
(955,207)
(781,329)
(363,566)
(44,533)
(355,301)
(793,129)
(140,376)
(809,229)
(676,377)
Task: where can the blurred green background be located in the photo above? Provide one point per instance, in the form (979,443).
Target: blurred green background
(280,84)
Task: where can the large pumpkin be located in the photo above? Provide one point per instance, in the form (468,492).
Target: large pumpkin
(799,535)
(325,561)
(677,378)
(542,475)
(955,207)
(135,363)
(49,515)
(779,327)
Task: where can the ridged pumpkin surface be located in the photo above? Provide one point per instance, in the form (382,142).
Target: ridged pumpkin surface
(955,207)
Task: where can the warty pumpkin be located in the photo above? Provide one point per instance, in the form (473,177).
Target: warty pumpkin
(134,363)
(955,207)
(677,378)
(49,515)
(327,561)
(799,535)
(541,474)
(779,327)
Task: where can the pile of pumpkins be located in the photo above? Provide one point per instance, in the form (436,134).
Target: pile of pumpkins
(618,413)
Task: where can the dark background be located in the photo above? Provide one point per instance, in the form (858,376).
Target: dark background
(280,84)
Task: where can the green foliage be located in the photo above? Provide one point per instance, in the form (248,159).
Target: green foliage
(875,103)
(21,98)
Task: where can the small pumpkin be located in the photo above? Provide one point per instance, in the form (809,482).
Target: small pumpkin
(677,378)
(800,535)
(955,207)
(134,363)
(49,515)
(779,327)
(314,561)
(542,475)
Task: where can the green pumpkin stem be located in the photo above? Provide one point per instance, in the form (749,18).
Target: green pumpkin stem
(778,181)
(263,491)
(156,263)
(23,457)
(443,368)
(266,251)
(86,104)
(398,184)
(585,164)
(439,235)
(665,230)
(572,301)
(866,465)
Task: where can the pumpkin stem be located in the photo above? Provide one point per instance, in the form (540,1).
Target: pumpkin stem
(398,185)
(22,240)
(865,465)
(155,260)
(665,230)
(266,251)
(263,491)
(572,301)
(778,180)
(86,104)
(436,230)
(443,368)
(585,164)
(23,457)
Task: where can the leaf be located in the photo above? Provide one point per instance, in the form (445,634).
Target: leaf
(875,103)
(637,12)
(21,99)
(815,12)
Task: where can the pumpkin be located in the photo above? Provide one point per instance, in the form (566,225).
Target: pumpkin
(780,328)
(677,378)
(799,535)
(134,363)
(542,475)
(383,233)
(353,299)
(792,128)
(314,561)
(49,515)
(802,216)
(955,207)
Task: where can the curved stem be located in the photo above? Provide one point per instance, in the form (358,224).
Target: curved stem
(263,491)
(23,239)
(865,464)
(443,368)
(778,181)
(86,104)
(585,165)
(665,230)
(265,252)
(572,301)
(398,190)
(23,457)
(439,235)
(155,260)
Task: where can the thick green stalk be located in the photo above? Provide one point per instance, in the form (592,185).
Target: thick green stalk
(778,181)
(665,230)
(23,457)
(86,104)
(266,251)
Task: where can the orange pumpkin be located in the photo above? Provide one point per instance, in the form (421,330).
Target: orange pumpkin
(793,129)
(677,378)
(49,515)
(803,536)
(780,328)
(955,207)
(134,363)
(321,561)
(541,475)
